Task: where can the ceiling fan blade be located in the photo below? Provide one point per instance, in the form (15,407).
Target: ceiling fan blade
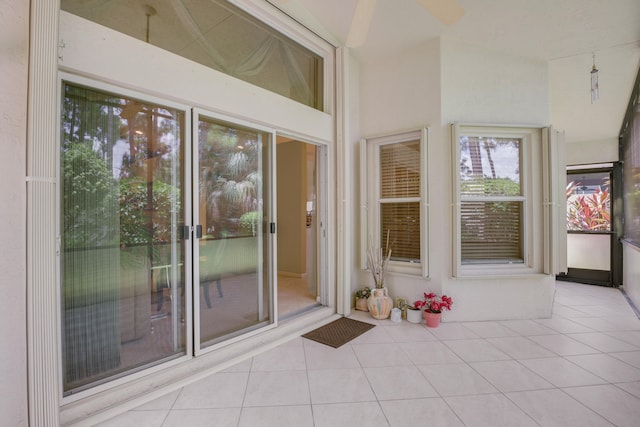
(447,11)
(360,22)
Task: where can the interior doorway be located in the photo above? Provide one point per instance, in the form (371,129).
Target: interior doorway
(298,226)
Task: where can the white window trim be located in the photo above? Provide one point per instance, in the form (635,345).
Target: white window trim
(369,190)
(535,221)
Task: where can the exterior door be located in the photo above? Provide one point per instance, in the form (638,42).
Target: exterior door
(590,226)
(151,251)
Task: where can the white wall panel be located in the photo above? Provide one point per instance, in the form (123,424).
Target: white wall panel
(590,152)
(589,251)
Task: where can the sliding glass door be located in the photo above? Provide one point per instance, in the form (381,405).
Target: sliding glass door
(158,262)
(122,258)
(233,227)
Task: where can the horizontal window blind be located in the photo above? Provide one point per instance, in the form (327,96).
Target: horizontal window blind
(491,231)
(400,170)
(402,222)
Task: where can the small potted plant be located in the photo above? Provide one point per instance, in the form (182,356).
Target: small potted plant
(414,313)
(361,298)
(433,306)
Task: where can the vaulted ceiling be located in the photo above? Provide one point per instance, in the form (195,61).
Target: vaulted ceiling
(565,33)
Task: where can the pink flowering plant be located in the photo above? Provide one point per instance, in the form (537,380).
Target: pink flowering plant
(433,303)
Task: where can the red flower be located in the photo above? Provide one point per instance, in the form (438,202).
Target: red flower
(434,304)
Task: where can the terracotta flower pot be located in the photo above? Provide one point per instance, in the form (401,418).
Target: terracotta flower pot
(433,319)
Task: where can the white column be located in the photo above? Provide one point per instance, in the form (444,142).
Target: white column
(42,271)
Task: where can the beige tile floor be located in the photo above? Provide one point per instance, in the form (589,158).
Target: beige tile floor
(579,368)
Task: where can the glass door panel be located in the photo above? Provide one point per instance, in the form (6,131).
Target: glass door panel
(233,287)
(122,258)
(589,201)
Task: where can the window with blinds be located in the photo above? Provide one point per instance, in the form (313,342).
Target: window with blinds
(491,200)
(395,208)
(400,199)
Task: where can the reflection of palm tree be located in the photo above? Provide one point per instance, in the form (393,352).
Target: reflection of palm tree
(490,145)
(229,178)
(476,158)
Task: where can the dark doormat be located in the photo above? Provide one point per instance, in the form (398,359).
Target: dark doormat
(338,332)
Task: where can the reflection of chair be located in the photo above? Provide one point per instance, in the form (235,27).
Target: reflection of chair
(211,254)
(203,283)
(167,277)
(205,289)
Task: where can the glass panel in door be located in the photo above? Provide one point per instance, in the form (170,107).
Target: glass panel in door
(589,226)
(589,201)
(232,217)
(122,205)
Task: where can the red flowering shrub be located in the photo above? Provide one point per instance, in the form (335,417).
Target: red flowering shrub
(433,303)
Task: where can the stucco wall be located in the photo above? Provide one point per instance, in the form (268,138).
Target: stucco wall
(440,82)
(14,40)
(482,86)
(396,94)
(590,152)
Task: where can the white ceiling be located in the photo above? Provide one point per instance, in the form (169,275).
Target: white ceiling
(562,32)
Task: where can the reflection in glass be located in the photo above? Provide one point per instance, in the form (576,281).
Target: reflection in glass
(121,257)
(489,166)
(231,214)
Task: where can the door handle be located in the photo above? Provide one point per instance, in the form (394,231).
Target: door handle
(186,232)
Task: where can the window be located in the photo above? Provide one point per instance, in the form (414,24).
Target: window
(220,36)
(498,199)
(491,201)
(394,184)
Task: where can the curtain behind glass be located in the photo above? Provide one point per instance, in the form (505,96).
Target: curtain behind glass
(120,206)
(218,35)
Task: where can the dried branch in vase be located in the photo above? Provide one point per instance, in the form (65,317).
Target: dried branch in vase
(378,261)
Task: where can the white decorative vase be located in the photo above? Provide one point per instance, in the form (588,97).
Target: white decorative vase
(414,316)
(379,303)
